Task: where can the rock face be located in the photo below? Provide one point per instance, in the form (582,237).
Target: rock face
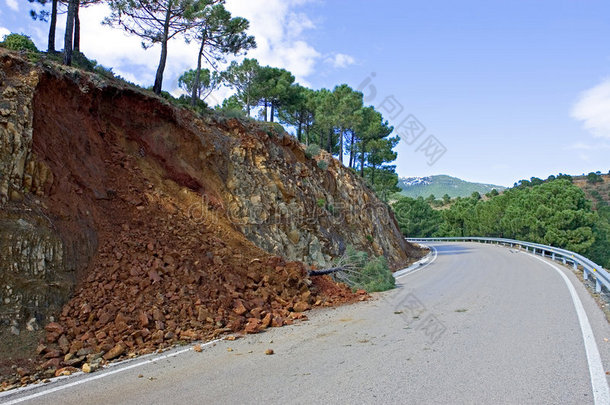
(286,204)
(35,278)
(106,190)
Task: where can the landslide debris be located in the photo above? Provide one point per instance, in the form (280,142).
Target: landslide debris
(130,225)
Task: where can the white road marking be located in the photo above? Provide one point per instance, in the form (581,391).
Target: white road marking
(406,271)
(119,369)
(601,393)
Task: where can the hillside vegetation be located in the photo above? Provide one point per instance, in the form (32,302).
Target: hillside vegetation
(553,212)
(597,188)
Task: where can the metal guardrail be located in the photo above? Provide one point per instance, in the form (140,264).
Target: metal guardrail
(601,276)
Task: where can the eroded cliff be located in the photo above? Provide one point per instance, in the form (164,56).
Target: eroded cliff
(134,221)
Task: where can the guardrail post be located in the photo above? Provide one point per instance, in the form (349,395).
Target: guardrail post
(553,255)
(585,273)
(563,259)
(575,265)
(598,285)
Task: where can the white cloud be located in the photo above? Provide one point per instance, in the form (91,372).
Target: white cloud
(278,30)
(593,109)
(340,60)
(12,4)
(3,32)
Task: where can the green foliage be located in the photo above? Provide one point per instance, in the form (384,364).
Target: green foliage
(554,213)
(321,202)
(373,274)
(600,250)
(217,32)
(312,151)
(243,77)
(322,164)
(103,71)
(299,111)
(383,180)
(18,42)
(535,181)
(416,218)
(274,129)
(274,89)
(187,81)
(593,178)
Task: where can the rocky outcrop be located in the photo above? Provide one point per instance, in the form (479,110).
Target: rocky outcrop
(292,206)
(107,191)
(35,280)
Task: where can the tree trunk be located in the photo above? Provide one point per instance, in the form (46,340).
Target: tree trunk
(52,27)
(341,146)
(362,158)
(300,130)
(194,94)
(329,141)
(351,151)
(272,111)
(77,28)
(69,32)
(159,76)
(265,110)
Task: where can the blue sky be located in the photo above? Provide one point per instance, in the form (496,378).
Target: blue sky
(511,89)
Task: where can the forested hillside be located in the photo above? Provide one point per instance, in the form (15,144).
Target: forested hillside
(553,212)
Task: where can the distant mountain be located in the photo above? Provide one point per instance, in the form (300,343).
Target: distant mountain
(440,185)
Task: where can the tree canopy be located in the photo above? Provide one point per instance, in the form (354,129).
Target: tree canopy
(156,21)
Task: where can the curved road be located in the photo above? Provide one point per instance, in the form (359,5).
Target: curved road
(480,324)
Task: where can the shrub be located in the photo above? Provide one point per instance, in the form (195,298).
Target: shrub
(273,129)
(321,202)
(104,71)
(233,113)
(18,42)
(79,60)
(594,178)
(323,164)
(312,150)
(376,276)
(371,274)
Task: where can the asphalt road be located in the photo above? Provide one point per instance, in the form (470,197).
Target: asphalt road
(480,324)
